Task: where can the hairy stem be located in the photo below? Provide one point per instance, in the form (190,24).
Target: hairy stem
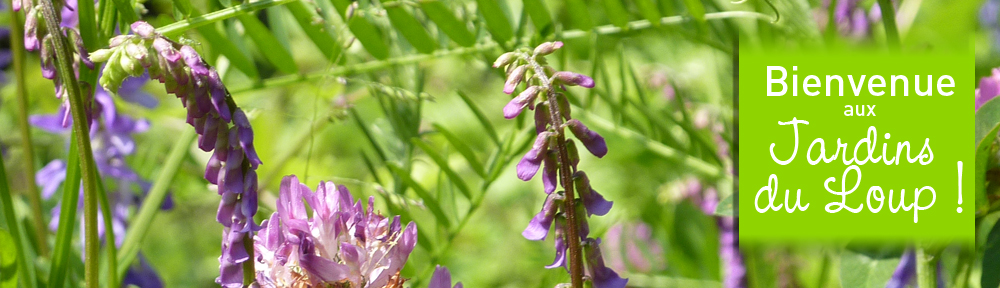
(17,47)
(64,62)
(926,269)
(565,174)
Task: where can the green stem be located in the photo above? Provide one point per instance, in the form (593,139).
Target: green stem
(67,218)
(926,269)
(179,27)
(417,58)
(889,20)
(15,228)
(64,58)
(151,204)
(17,47)
(109,233)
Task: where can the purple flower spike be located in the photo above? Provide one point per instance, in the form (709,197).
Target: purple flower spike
(601,276)
(574,79)
(539,226)
(516,105)
(442,279)
(528,167)
(989,88)
(515,78)
(590,139)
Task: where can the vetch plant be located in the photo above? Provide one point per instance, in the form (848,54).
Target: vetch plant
(559,157)
(223,129)
(341,245)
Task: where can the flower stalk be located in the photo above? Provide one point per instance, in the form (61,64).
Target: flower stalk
(65,72)
(558,157)
(17,49)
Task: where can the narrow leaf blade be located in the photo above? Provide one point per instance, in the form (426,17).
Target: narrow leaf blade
(498,24)
(539,16)
(443,164)
(410,28)
(268,44)
(323,40)
(462,149)
(429,201)
(445,19)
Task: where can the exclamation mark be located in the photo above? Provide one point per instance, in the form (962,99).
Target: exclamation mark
(959,186)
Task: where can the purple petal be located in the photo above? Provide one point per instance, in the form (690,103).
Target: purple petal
(538,228)
(549,175)
(441,278)
(143,29)
(602,276)
(542,117)
(905,272)
(590,139)
(516,105)
(574,79)
(50,177)
(514,78)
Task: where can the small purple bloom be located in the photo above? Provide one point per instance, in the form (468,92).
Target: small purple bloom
(989,88)
(574,79)
(593,201)
(539,226)
(515,78)
(442,279)
(590,139)
(524,99)
(529,164)
(602,276)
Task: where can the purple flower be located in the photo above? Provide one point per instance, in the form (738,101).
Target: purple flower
(528,167)
(342,243)
(442,279)
(590,139)
(907,271)
(989,88)
(539,226)
(574,79)
(593,201)
(601,275)
(516,105)
(515,78)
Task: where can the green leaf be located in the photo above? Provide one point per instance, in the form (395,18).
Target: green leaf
(991,258)
(222,45)
(15,229)
(579,15)
(539,16)
(179,27)
(462,149)
(323,40)
(409,27)
(725,207)
(368,35)
(268,44)
(864,270)
(616,13)
(496,21)
(8,260)
(62,253)
(987,125)
(445,19)
(482,118)
(443,164)
(429,201)
(649,11)
(696,9)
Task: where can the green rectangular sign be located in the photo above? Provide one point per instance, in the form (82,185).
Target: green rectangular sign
(866,146)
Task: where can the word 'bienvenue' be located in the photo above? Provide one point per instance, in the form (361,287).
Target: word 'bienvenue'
(811,85)
(876,198)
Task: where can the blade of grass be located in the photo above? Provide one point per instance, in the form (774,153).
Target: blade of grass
(109,233)
(540,16)
(430,202)
(323,40)
(24,268)
(443,164)
(368,35)
(409,27)
(151,204)
(179,27)
(463,149)
(649,11)
(446,20)
(268,45)
(482,117)
(67,218)
(17,49)
(496,22)
(616,13)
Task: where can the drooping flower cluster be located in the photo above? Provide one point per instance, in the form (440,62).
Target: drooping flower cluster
(341,245)
(222,128)
(111,133)
(553,154)
(37,36)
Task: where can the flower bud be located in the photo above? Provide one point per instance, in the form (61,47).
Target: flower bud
(563,106)
(515,77)
(48,58)
(505,59)
(516,105)
(601,275)
(573,79)
(542,117)
(532,160)
(547,48)
(592,201)
(143,29)
(101,55)
(31,30)
(590,139)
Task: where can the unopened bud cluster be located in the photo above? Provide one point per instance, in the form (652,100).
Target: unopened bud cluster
(222,128)
(552,117)
(37,36)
